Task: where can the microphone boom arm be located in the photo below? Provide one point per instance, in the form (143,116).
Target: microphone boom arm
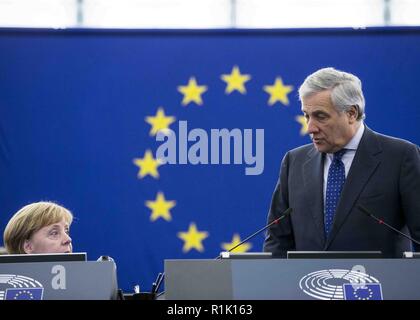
(275,221)
(380,221)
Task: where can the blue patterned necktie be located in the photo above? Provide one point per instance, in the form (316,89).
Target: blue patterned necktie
(335,182)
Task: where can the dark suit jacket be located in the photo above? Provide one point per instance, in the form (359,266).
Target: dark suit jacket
(384,177)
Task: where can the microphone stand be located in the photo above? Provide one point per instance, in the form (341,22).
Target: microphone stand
(380,221)
(275,221)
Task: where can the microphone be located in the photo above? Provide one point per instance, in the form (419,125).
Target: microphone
(380,221)
(275,221)
(156,284)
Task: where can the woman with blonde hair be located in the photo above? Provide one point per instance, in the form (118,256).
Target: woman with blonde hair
(41,227)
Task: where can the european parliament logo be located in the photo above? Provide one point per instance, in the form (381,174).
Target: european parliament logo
(341,284)
(18,287)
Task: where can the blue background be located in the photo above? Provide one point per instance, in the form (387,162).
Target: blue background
(72,110)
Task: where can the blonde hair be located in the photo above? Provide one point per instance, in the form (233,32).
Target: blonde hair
(30,219)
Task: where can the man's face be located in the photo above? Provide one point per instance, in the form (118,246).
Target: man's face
(329,129)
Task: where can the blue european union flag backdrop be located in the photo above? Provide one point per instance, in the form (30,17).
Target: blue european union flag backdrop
(80,110)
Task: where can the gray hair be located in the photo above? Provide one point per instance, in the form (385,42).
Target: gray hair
(346,89)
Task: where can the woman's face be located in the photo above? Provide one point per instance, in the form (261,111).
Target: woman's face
(50,239)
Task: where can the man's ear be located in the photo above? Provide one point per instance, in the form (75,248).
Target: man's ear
(353,113)
(27,246)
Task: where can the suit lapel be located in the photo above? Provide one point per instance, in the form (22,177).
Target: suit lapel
(364,165)
(313,177)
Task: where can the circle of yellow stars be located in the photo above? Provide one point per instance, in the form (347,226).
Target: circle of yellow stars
(148,165)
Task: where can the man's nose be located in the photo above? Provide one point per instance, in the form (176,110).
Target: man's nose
(312,128)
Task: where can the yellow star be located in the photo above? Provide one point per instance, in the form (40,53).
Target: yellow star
(160,207)
(235,80)
(278,92)
(159,121)
(192,92)
(304,123)
(235,241)
(193,238)
(148,165)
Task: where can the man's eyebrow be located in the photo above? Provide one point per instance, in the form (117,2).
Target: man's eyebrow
(316,112)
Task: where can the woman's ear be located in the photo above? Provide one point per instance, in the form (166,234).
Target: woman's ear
(27,246)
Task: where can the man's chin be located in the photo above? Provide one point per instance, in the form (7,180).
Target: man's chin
(321,147)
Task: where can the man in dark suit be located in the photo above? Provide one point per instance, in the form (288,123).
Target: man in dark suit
(347,165)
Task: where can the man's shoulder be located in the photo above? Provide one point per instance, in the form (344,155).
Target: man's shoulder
(393,143)
(298,155)
(304,150)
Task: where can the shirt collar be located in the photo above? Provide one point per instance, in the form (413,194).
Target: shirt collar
(354,142)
